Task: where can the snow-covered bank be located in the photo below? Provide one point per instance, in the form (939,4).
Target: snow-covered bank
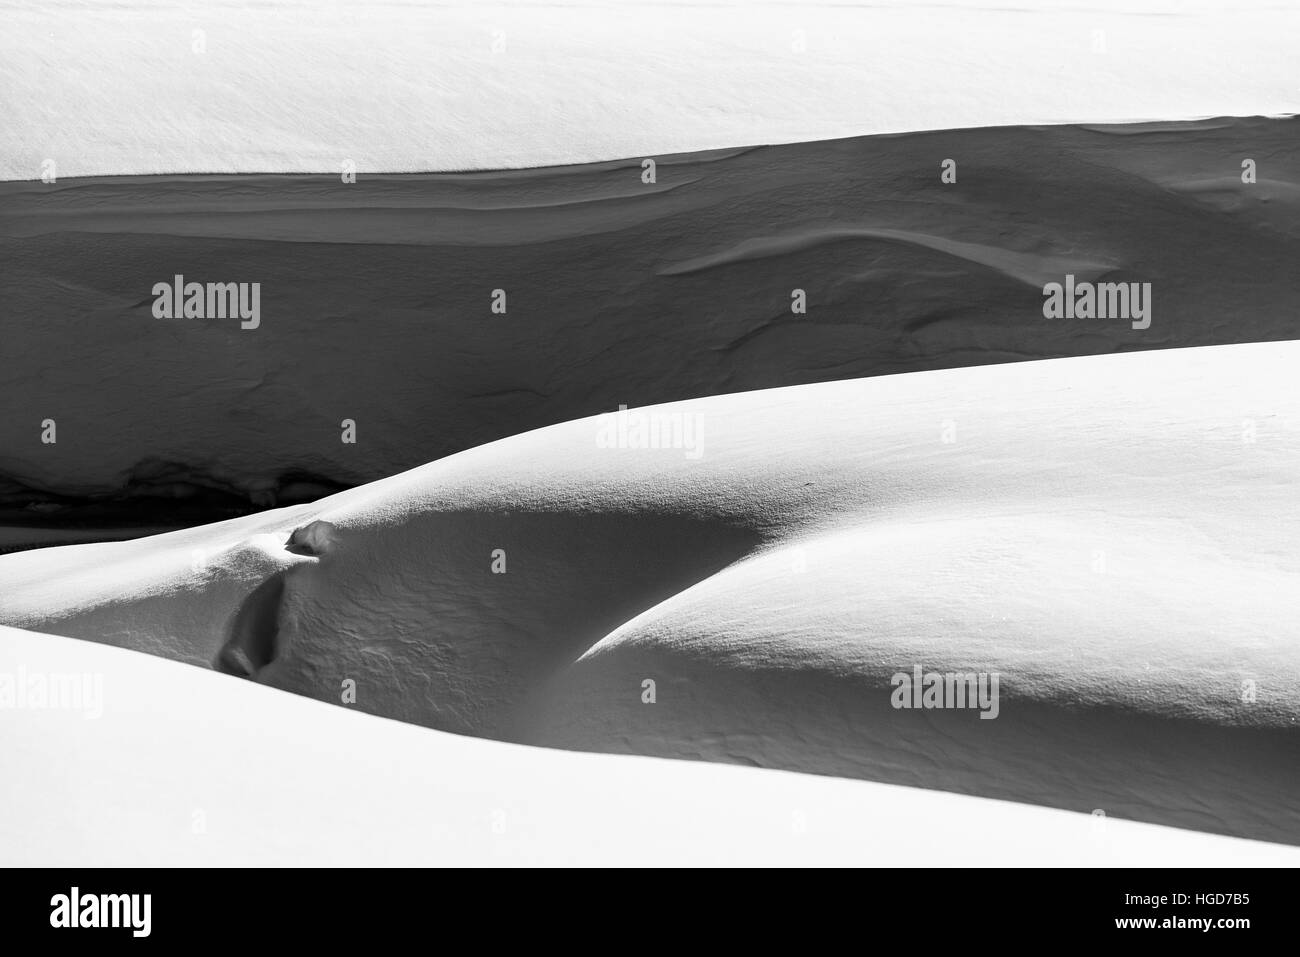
(186,768)
(1115,536)
(377,298)
(144,87)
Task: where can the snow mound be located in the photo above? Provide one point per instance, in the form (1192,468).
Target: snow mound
(741,579)
(172,766)
(376,298)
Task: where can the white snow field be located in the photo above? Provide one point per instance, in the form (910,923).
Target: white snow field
(172,766)
(1114,536)
(150,87)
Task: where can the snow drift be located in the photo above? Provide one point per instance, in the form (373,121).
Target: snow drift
(1115,536)
(189,768)
(377,298)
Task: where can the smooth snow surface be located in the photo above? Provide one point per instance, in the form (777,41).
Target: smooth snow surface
(1116,536)
(145,87)
(376,297)
(185,768)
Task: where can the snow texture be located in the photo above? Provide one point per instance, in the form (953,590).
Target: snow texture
(1114,535)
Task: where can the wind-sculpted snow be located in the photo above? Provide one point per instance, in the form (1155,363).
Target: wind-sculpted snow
(377,297)
(1113,537)
(176,766)
(1033,270)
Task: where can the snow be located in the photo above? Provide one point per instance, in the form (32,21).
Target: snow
(188,768)
(376,297)
(146,88)
(1114,535)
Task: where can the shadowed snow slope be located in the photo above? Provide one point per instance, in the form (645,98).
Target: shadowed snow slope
(142,87)
(376,298)
(1115,536)
(174,766)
